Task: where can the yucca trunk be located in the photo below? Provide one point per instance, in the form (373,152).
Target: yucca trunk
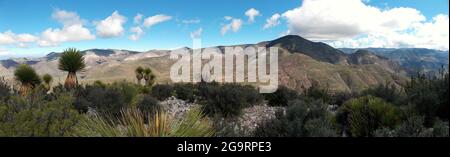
(71,80)
(24,88)
(139,78)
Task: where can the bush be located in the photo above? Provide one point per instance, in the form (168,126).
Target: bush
(360,117)
(388,93)
(185,91)
(227,100)
(38,117)
(281,97)
(162,91)
(302,119)
(4,89)
(148,104)
(429,96)
(414,127)
(104,100)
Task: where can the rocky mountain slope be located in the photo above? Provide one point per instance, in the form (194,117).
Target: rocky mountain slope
(301,63)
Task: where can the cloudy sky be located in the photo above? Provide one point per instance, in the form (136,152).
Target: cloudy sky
(33,28)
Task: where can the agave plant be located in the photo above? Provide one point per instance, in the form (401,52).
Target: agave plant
(149,77)
(72,61)
(47,78)
(139,74)
(27,77)
(133,124)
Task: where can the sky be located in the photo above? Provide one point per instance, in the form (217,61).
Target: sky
(33,28)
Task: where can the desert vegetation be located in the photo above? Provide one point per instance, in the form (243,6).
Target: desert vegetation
(142,108)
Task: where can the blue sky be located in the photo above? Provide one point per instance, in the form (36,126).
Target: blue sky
(23,23)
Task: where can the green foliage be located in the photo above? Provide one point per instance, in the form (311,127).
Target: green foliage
(414,127)
(47,78)
(162,91)
(302,119)
(71,60)
(148,104)
(108,100)
(281,97)
(227,100)
(387,92)
(185,91)
(316,92)
(360,117)
(27,76)
(429,96)
(21,117)
(133,124)
(149,77)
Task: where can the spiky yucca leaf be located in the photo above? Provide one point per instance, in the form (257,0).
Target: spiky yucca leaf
(27,75)
(71,60)
(133,124)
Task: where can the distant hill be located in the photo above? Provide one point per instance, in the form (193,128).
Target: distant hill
(412,59)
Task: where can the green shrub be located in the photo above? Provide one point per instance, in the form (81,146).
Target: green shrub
(429,95)
(227,100)
(302,119)
(148,104)
(185,91)
(21,117)
(388,93)
(4,89)
(162,91)
(360,117)
(414,127)
(104,100)
(281,97)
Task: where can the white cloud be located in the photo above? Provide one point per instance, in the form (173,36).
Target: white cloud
(67,18)
(153,20)
(364,25)
(73,30)
(234,25)
(191,21)
(112,26)
(138,18)
(251,14)
(272,21)
(137,33)
(8,37)
(4,52)
(197,34)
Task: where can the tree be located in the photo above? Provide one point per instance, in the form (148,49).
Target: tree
(28,78)
(149,77)
(47,81)
(139,74)
(72,61)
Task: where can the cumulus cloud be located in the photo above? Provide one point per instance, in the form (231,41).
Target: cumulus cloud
(234,25)
(8,37)
(73,30)
(251,14)
(137,33)
(272,21)
(153,20)
(366,26)
(197,34)
(112,26)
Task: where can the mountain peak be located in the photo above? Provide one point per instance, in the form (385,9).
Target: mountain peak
(316,50)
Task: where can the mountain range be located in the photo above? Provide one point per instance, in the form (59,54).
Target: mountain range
(301,63)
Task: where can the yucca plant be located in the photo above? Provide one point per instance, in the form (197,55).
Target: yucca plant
(27,77)
(133,124)
(149,77)
(72,61)
(47,78)
(139,74)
